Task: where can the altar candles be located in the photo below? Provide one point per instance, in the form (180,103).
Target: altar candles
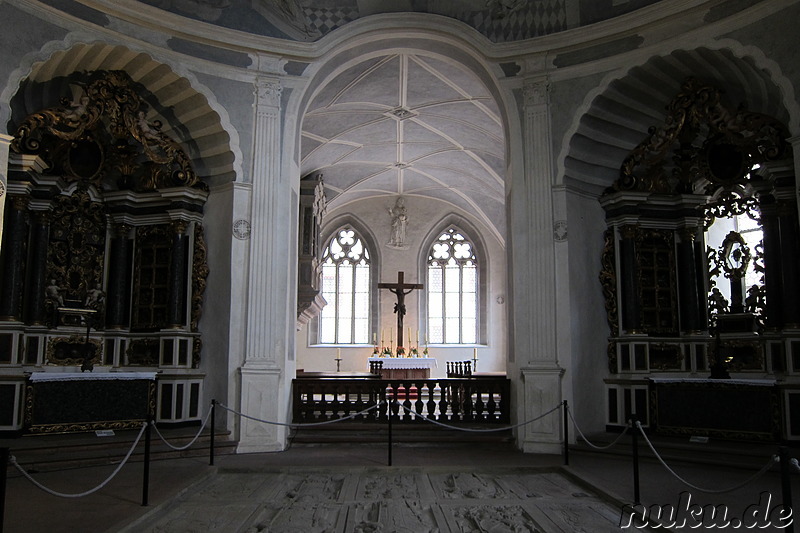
(374,338)
(338,353)
(474,353)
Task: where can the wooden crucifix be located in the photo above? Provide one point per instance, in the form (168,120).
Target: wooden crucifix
(400,289)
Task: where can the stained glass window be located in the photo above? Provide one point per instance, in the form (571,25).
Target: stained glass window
(452,290)
(345,287)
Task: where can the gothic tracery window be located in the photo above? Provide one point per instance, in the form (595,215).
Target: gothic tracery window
(452,289)
(346,289)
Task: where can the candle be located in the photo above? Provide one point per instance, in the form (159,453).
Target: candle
(338,353)
(374,338)
(409,336)
(390,336)
(417,337)
(474,353)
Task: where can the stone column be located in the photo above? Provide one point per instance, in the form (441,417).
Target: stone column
(118,301)
(772,260)
(534,306)
(262,394)
(790,248)
(5,141)
(178,272)
(37,268)
(12,259)
(630,314)
(689,283)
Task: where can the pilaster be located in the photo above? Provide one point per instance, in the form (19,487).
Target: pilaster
(5,141)
(262,375)
(534,312)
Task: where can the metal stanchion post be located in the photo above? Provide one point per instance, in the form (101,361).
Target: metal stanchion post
(146,475)
(390,413)
(786,486)
(635,453)
(5,455)
(566,433)
(211,445)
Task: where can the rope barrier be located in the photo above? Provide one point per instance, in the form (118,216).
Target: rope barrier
(181,448)
(471,430)
(307,424)
(585,440)
(13,461)
(773,459)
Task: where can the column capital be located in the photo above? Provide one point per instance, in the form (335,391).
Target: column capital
(536,92)
(268,92)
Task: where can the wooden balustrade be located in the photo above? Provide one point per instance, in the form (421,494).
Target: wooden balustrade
(485,400)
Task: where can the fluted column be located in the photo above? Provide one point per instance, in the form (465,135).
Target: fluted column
(37,268)
(534,281)
(178,273)
(539,289)
(271,243)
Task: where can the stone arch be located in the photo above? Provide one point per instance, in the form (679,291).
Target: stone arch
(188,110)
(617,114)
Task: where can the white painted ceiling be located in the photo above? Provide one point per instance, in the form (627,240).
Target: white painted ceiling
(408,125)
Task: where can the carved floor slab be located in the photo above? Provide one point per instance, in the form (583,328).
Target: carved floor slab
(400,500)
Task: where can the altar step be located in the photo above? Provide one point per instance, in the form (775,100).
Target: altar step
(719,452)
(42,453)
(344,432)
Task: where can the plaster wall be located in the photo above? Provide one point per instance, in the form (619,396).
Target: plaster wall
(588,324)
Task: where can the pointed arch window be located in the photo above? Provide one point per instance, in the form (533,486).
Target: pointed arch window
(346,289)
(452,289)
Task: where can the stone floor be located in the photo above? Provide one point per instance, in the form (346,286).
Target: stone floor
(403,500)
(351,488)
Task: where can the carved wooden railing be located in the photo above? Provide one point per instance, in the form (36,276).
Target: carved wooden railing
(451,401)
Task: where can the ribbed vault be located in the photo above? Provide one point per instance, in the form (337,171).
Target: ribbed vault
(185,113)
(619,118)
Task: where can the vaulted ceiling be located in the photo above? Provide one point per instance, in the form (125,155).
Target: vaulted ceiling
(410,125)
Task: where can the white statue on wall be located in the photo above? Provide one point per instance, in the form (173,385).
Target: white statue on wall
(399,216)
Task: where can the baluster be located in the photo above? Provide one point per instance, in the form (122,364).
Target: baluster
(479,405)
(468,368)
(491,406)
(418,403)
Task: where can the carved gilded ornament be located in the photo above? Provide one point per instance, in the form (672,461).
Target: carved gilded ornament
(103,136)
(702,140)
(71,351)
(608,282)
(199,275)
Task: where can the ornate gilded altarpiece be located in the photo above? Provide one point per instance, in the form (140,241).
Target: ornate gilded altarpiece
(710,160)
(104,256)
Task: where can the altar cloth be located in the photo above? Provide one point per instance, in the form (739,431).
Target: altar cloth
(392,363)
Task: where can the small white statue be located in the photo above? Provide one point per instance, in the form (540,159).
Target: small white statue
(399,221)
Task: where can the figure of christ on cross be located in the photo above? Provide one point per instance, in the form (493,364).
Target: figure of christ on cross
(400,289)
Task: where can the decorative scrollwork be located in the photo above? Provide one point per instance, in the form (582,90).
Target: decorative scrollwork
(608,281)
(77,245)
(199,276)
(103,132)
(701,139)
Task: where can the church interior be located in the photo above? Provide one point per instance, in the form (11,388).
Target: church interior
(488,212)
